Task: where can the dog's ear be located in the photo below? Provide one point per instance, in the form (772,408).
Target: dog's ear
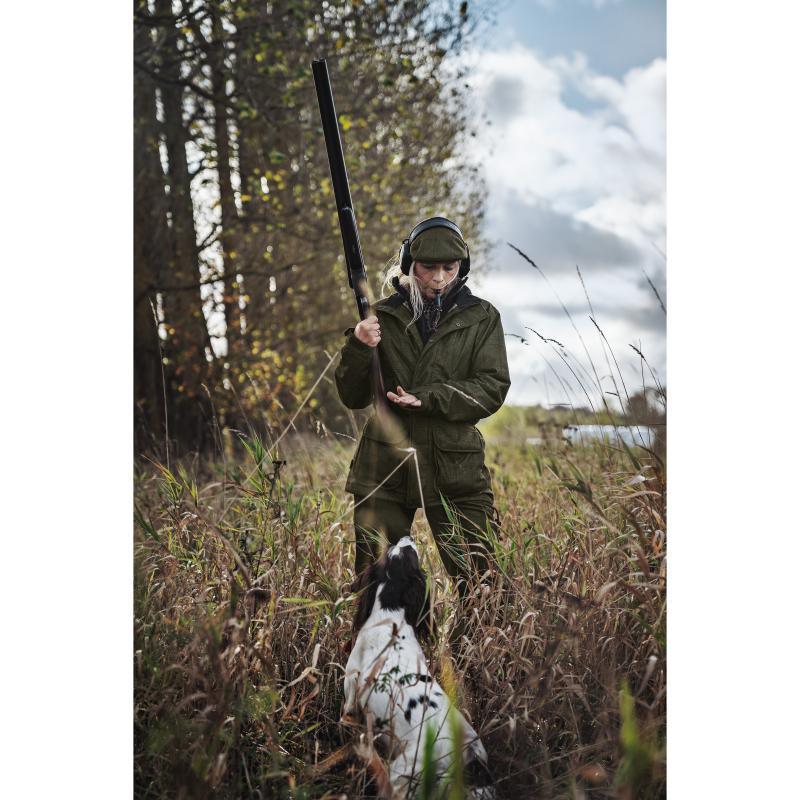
(416,602)
(366,585)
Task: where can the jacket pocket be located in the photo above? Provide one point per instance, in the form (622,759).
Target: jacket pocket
(378,458)
(459,460)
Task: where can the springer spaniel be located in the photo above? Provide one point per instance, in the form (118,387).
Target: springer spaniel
(387,677)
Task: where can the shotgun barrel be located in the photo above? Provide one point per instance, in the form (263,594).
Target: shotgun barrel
(356,271)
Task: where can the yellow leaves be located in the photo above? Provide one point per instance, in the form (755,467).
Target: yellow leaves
(246,198)
(260,57)
(345,122)
(276,177)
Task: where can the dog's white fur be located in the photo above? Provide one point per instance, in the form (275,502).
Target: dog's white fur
(387,676)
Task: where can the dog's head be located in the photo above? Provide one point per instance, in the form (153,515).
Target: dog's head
(404,587)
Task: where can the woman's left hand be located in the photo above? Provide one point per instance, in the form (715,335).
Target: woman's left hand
(403,398)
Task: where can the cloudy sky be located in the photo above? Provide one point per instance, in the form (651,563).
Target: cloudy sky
(574,92)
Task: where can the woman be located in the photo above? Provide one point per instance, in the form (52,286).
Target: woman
(443,354)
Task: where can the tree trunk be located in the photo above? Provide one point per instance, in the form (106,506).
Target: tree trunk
(251,236)
(188,338)
(228,214)
(150,235)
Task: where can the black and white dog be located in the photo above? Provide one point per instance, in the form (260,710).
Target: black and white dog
(387,677)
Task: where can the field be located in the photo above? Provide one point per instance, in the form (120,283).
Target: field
(243,617)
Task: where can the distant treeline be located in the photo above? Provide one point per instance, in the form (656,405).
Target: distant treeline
(643,407)
(240,288)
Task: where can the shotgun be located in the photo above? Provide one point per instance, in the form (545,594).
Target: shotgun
(356,271)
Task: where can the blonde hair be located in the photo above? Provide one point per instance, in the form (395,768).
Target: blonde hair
(408,281)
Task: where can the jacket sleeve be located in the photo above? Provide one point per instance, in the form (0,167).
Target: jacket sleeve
(352,374)
(482,393)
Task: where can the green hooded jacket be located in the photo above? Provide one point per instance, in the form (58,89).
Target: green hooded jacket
(460,375)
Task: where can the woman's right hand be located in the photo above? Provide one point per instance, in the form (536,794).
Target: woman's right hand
(368,331)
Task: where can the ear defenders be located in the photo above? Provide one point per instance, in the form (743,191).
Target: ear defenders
(434,222)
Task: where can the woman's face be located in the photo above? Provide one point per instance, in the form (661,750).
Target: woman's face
(435,278)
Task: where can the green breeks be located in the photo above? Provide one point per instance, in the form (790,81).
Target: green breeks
(462,546)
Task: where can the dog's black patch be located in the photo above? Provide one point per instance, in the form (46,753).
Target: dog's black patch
(412,704)
(366,585)
(423,698)
(404,587)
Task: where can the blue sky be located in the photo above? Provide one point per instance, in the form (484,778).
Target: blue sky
(574,153)
(615,35)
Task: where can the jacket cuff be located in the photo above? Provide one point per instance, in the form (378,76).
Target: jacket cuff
(355,347)
(423,395)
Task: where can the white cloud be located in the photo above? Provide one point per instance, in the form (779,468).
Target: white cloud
(575,166)
(541,147)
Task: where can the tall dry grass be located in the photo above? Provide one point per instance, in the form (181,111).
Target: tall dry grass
(243,619)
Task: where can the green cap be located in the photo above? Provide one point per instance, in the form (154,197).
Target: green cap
(438,244)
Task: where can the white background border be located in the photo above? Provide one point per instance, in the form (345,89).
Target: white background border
(733,178)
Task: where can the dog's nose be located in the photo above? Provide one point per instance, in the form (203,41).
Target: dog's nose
(406,541)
